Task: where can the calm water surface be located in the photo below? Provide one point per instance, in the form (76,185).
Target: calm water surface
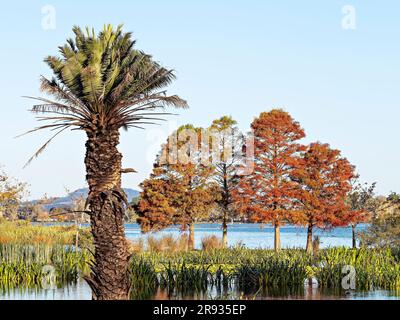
(258,236)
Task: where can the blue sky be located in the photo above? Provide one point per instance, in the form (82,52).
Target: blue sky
(234,58)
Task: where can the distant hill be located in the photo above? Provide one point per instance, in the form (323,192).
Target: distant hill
(67,201)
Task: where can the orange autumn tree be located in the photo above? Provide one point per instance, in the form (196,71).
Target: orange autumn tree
(267,194)
(180,190)
(324,179)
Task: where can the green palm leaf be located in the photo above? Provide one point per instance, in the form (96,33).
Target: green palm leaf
(101,82)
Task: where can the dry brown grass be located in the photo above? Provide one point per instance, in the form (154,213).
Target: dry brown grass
(167,243)
(211,242)
(136,246)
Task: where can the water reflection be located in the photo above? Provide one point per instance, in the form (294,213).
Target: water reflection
(81,291)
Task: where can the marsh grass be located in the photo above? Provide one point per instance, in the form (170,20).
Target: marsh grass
(265,270)
(26,248)
(22,266)
(143,278)
(164,263)
(26,233)
(375,268)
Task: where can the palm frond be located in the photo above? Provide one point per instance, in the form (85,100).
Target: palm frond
(103,82)
(43,147)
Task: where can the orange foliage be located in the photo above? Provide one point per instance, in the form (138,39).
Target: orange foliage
(267,194)
(176,193)
(324,180)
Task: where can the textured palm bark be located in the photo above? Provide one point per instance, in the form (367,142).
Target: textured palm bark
(107,201)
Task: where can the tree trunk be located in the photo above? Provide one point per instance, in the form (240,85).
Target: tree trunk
(224,233)
(277,238)
(353,229)
(191,237)
(107,202)
(309,247)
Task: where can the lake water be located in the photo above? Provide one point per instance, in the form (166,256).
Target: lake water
(258,236)
(250,235)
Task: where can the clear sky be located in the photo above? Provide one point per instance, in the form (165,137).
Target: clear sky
(338,76)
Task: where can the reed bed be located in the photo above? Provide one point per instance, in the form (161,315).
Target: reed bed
(27,249)
(24,232)
(144,279)
(24,265)
(264,269)
(199,271)
(164,263)
(375,268)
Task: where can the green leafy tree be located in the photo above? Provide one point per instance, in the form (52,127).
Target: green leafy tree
(103,84)
(384,230)
(226,142)
(361,203)
(35,211)
(11,194)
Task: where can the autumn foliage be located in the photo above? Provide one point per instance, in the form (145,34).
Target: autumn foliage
(323,179)
(177,192)
(291,183)
(267,195)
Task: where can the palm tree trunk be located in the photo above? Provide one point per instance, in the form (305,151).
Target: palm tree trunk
(191,237)
(224,233)
(353,229)
(277,238)
(309,247)
(107,202)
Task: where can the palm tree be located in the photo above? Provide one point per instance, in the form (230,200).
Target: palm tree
(102,84)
